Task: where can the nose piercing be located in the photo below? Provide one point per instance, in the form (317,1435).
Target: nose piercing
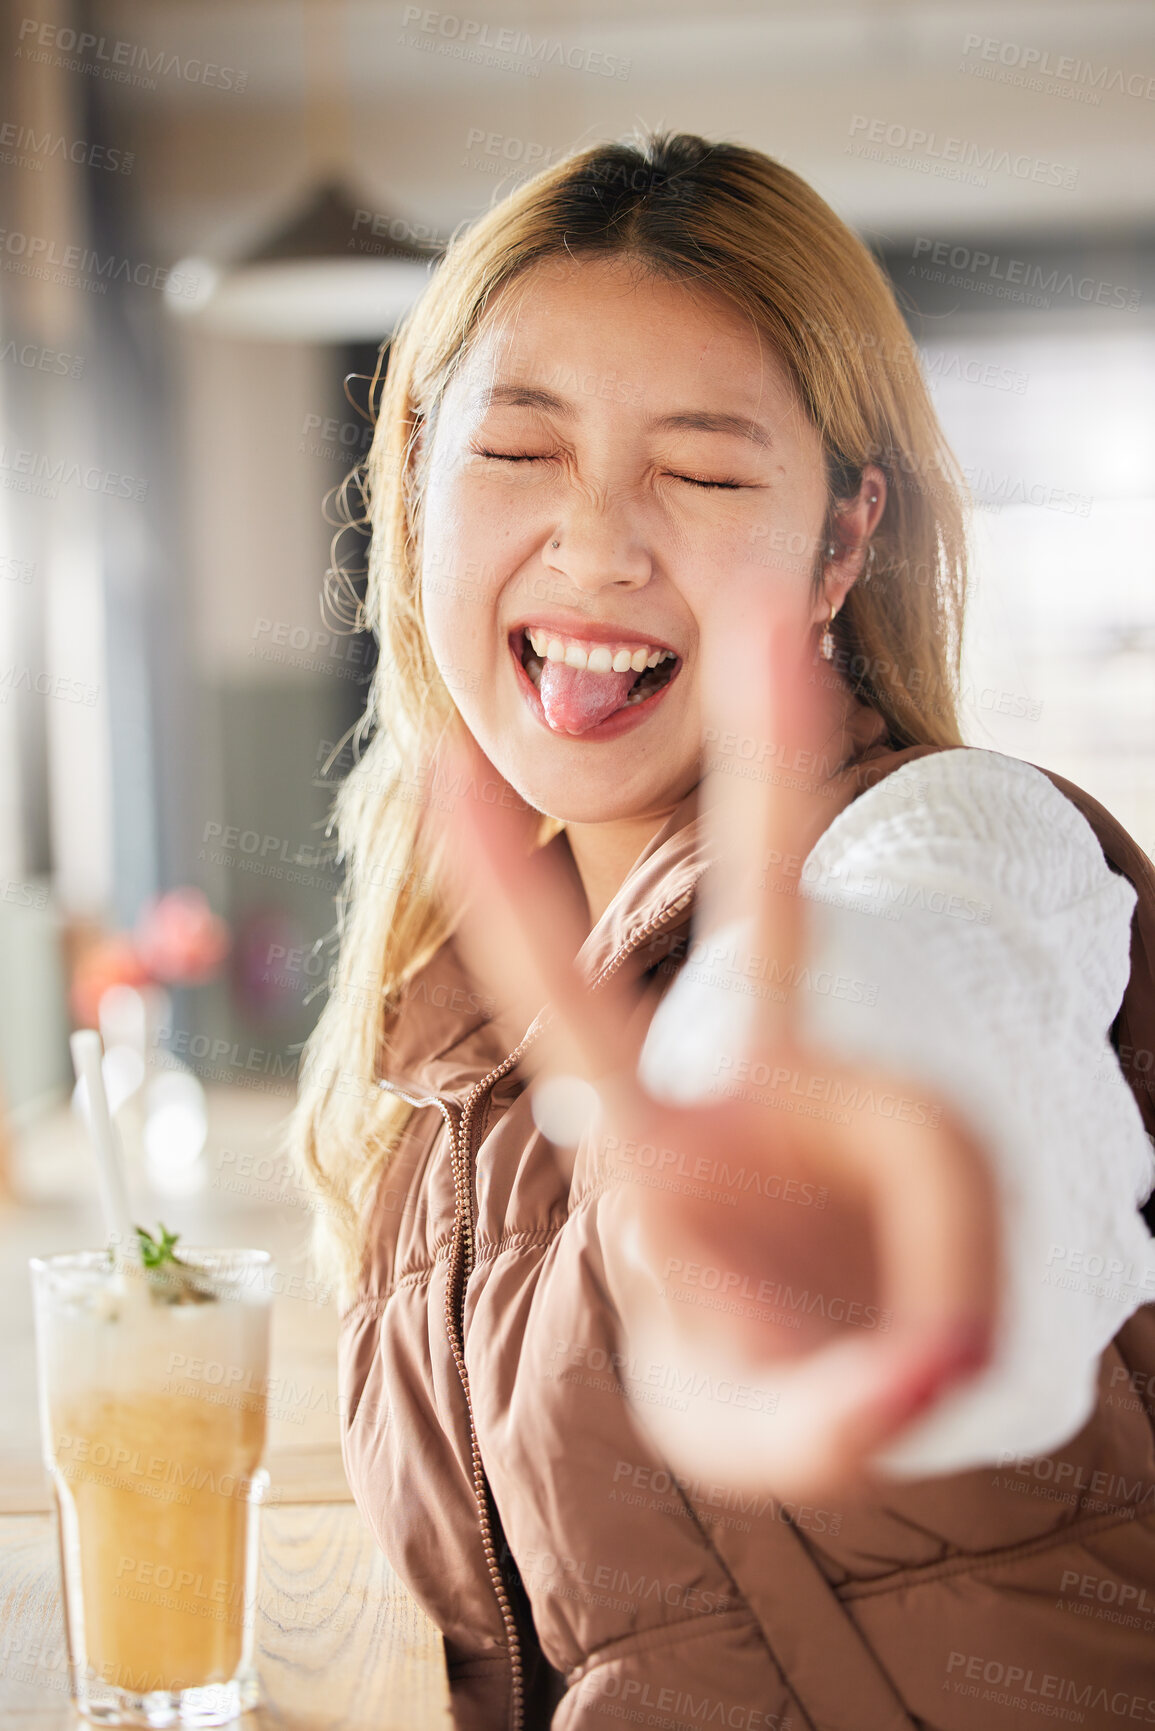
(555,543)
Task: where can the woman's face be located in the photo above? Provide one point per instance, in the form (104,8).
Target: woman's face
(652,436)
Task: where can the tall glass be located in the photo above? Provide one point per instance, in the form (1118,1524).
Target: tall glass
(153,1398)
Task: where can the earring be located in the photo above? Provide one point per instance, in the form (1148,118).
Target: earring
(826,647)
(871,553)
(830,549)
(874,498)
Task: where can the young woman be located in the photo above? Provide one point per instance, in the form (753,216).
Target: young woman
(761,1390)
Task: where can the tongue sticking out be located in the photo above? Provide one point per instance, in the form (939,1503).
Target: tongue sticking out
(575,700)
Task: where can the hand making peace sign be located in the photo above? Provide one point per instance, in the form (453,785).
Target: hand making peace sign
(909,1232)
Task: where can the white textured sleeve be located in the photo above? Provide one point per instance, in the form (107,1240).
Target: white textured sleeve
(967,933)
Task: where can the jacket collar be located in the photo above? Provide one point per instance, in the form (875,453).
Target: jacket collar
(443,1038)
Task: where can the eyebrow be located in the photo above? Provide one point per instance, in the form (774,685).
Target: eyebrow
(688,420)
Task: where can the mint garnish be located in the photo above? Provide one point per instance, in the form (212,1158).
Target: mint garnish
(170,1279)
(155,1251)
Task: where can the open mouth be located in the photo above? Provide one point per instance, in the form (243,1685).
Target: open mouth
(582,684)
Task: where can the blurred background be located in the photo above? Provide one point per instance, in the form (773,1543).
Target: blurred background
(213,214)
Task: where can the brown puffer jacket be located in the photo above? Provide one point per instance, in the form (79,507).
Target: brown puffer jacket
(578,1582)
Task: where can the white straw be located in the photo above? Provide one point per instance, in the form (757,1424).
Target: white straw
(86,1056)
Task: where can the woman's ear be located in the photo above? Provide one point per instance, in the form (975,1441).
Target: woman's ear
(847,553)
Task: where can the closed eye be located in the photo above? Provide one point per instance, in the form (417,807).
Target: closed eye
(543,457)
(696,481)
(513,456)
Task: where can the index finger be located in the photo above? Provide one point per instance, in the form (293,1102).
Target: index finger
(767,732)
(520,926)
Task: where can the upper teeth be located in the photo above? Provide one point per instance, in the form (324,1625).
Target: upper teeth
(597,657)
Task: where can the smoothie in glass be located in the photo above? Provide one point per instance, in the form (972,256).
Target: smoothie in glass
(153,1414)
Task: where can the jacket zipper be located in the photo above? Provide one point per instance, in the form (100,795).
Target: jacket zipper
(463,1154)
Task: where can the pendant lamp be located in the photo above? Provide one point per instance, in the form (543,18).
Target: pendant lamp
(333,268)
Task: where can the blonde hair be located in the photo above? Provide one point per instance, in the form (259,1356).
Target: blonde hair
(724,219)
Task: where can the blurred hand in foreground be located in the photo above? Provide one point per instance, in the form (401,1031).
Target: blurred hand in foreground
(901,1263)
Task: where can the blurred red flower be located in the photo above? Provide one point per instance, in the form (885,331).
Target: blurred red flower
(179,939)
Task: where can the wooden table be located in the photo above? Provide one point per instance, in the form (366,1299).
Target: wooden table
(341,1645)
